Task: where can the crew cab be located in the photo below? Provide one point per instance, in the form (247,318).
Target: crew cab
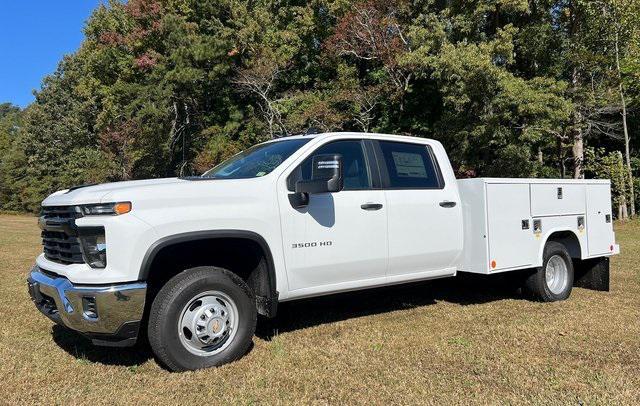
(189,263)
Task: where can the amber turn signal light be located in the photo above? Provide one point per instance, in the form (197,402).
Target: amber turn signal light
(122,207)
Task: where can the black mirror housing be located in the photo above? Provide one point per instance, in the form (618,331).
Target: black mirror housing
(326,175)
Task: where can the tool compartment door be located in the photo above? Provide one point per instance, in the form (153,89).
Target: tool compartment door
(599,232)
(510,245)
(557,199)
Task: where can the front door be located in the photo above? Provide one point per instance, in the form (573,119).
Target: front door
(339,241)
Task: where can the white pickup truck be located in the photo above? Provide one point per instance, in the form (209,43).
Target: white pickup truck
(189,262)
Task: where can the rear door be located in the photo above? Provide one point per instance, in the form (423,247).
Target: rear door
(424,213)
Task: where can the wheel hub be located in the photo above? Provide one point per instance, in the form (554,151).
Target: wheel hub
(216,325)
(208,323)
(556,274)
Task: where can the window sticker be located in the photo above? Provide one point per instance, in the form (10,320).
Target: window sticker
(409,165)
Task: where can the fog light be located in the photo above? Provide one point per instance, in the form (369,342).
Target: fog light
(89,308)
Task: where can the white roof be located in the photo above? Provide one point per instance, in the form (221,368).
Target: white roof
(349,134)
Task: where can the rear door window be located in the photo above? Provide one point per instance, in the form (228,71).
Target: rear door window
(410,166)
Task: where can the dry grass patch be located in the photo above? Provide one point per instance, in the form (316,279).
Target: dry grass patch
(442,342)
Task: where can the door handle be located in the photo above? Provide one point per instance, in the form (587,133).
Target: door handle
(371,206)
(447,204)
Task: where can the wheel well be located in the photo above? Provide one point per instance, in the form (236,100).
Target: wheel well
(570,242)
(247,257)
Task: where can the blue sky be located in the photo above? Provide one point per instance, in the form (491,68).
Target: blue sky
(34,35)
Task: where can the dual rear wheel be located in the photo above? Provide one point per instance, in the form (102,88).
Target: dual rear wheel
(554,280)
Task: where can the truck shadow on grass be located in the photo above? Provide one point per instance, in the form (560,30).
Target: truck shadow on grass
(85,352)
(464,290)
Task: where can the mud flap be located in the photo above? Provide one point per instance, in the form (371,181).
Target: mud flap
(592,274)
(266,306)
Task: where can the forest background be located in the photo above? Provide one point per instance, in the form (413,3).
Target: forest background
(512,88)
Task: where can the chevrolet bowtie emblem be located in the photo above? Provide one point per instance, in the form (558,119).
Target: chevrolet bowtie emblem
(215,327)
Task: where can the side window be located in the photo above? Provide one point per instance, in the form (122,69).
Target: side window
(410,166)
(356,173)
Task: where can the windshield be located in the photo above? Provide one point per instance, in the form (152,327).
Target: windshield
(256,161)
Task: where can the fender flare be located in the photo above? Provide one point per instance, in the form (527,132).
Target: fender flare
(540,255)
(164,242)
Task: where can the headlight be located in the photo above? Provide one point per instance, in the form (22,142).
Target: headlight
(93,246)
(106,209)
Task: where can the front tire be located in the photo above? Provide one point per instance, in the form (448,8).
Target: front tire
(203,317)
(554,280)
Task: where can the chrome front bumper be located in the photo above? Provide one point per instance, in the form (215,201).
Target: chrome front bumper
(109,314)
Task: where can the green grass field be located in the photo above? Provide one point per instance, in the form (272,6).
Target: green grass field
(443,342)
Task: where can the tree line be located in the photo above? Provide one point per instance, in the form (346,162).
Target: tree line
(517,88)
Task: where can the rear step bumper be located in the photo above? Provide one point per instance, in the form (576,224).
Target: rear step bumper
(107,314)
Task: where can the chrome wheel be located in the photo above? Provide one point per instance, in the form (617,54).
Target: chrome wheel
(556,274)
(208,323)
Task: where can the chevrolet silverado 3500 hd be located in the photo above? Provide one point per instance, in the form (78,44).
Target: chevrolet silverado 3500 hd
(192,261)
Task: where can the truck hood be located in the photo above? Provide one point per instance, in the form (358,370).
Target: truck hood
(100,193)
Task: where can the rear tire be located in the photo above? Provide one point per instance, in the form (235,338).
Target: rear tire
(554,280)
(203,317)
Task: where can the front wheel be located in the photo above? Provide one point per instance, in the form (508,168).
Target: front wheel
(203,317)
(554,280)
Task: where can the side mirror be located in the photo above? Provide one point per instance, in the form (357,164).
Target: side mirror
(326,177)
